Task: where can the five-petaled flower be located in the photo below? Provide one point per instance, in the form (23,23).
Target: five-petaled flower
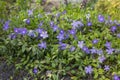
(106,67)
(35,70)
(80,44)
(101,18)
(42,45)
(44,34)
(88,69)
(6,25)
(101,58)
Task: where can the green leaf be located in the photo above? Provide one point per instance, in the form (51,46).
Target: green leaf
(24,47)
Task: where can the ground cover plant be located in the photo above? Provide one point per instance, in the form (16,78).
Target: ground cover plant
(68,44)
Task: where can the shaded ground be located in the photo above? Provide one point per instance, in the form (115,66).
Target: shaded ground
(8,72)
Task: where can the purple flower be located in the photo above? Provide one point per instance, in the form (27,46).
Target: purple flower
(35,70)
(51,23)
(21,31)
(77,24)
(106,67)
(116,77)
(85,49)
(101,18)
(62,46)
(67,36)
(44,34)
(72,31)
(27,21)
(118,35)
(12,36)
(41,23)
(16,30)
(72,48)
(39,30)
(89,24)
(55,28)
(93,50)
(58,14)
(88,69)
(31,33)
(6,25)
(60,37)
(64,12)
(30,12)
(80,44)
(95,41)
(113,28)
(100,51)
(108,44)
(62,31)
(109,51)
(101,59)
(42,45)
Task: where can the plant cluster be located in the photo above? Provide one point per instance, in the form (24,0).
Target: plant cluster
(77,44)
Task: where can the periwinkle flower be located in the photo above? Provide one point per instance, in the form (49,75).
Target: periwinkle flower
(30,12)
(95,41)
(39,30)
(116,77)
(42,45)
(67,36)
(55,28)
(12,36)
(64,12)
(62,46)
(72,31)
(116,22)
(113,28)
(99,51)
(62,31)
(89,24)
(85,49)
(106,67)
(93,50)
(27,21)
(101,18)
(72,48)
(101,59)
(31,33)
(88,69)
(44,34)
(60,36)
(35,70)
(108,44)
(58,14)
(109,51)
(6,25)
(80,44)
(16,30)
(77,24)
(51,23)
(118,35)
(41,23)
(111,22)
(21,31)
